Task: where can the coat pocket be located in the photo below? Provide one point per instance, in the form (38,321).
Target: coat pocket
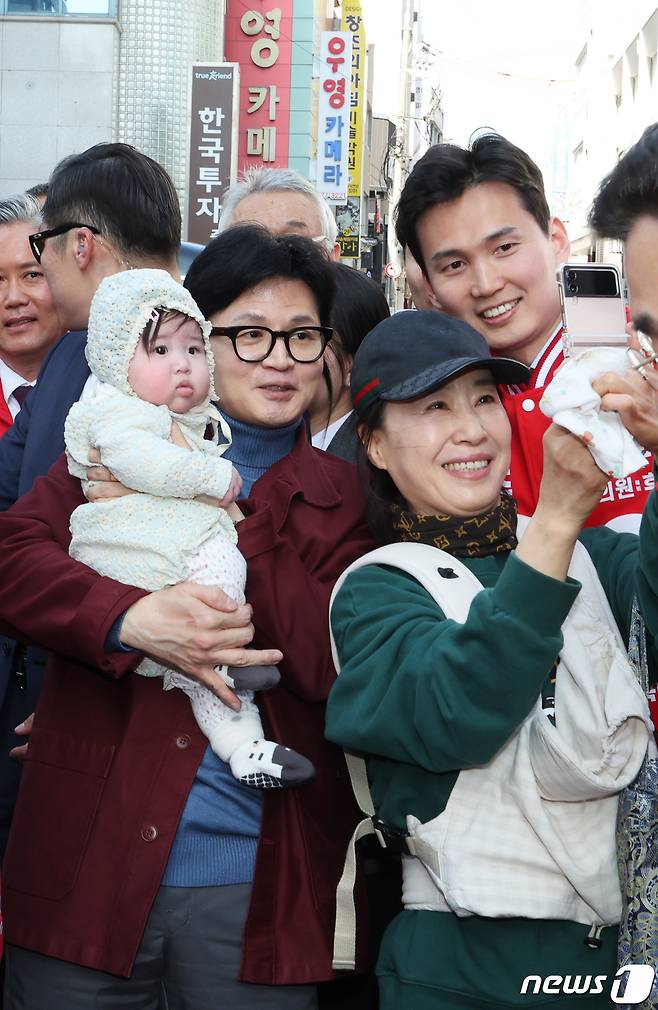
(62,784)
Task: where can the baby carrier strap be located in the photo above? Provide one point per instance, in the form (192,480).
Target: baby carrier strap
(453,587)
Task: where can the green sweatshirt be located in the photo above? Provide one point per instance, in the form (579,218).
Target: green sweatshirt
(424,697)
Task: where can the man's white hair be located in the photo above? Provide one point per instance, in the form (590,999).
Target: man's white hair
(273,180)
(20,208)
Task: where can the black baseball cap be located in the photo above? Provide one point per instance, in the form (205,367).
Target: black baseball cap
(413,352)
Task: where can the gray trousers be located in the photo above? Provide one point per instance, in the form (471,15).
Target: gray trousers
(188,959)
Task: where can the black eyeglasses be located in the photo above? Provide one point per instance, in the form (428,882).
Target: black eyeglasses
(304,344)
(38,239)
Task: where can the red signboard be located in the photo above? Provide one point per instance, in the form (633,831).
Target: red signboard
(258,36)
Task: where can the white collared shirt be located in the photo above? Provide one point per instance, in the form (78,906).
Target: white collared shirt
(11,380)
(90,388)
(322,438)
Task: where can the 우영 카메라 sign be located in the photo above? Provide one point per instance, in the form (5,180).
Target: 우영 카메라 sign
(334,115)
(258,36)
(213,152)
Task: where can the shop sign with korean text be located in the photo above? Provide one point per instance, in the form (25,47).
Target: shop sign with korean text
(259,37)
(334,115)
(348,216)
(213,147)
(352,21)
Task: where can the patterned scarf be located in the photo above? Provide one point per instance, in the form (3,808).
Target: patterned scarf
(488,533)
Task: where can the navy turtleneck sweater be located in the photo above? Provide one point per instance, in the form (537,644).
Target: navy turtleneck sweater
(218,832)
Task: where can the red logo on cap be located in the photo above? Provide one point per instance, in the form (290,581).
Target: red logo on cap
(366,389)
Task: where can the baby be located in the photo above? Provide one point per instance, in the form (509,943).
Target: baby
(148,345)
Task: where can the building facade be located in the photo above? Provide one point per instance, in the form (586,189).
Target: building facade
(58,77)
(425,110)
(378,185)
(615,98)
(160,39)
(76,73)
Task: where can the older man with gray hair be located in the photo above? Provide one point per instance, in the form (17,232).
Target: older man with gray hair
(284,202)
(29,321)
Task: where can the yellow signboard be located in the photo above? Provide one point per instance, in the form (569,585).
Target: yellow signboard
(352,21)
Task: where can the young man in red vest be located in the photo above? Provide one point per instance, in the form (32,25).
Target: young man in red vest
(478,224)
(29,321)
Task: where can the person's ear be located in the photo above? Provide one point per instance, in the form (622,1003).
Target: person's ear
(83,249)
(375,450)
(347,369)
(431,297)
(559,239)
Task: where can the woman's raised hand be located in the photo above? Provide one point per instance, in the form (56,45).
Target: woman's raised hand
(572,483)
(571,486)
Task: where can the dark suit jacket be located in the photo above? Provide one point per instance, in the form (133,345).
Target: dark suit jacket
(345,442)
(27,451)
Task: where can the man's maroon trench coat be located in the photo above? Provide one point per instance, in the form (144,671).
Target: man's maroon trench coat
(112,757)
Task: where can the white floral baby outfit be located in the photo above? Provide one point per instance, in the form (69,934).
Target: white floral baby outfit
(160,536)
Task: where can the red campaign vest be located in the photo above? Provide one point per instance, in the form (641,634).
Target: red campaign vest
(653,707)
(622,497)
(6,419)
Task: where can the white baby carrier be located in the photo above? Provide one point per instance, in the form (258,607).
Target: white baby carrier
(516,837)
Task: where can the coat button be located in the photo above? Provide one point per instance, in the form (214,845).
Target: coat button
(149,833)
(528,405)
(6,648)
(183,741)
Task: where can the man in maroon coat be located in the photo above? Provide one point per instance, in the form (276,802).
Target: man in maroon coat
(108,209)
(112,761)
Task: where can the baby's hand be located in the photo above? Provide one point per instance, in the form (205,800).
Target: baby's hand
(234,489)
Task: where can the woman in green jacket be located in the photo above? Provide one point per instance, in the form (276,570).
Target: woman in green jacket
(495,725)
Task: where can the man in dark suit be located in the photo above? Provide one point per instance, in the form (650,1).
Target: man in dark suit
(29,322)
(110,208)
(29,326)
